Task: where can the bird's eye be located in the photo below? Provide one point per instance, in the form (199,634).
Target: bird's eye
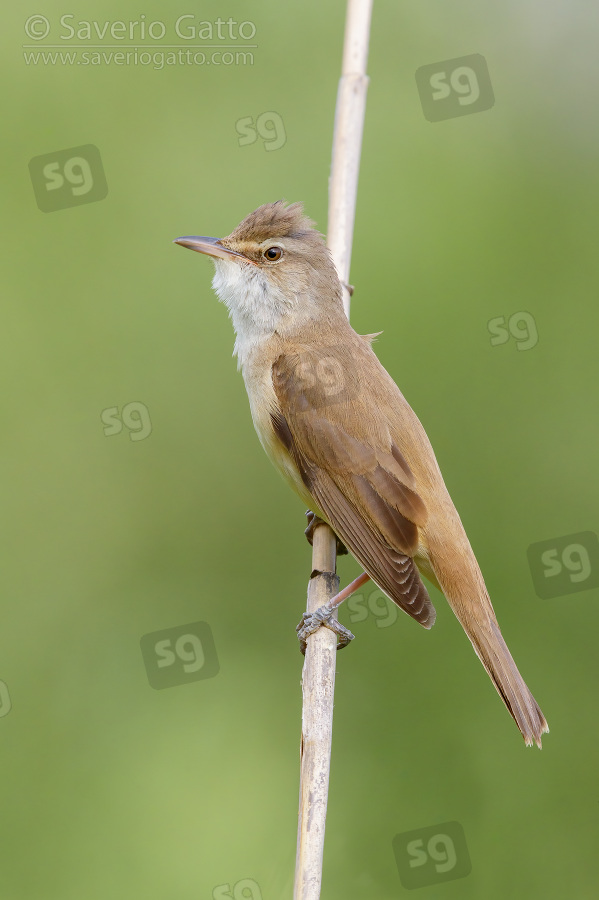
(273,254)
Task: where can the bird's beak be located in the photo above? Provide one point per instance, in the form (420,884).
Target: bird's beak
(210,246)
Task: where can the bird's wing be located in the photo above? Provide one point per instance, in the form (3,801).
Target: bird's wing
(356,474)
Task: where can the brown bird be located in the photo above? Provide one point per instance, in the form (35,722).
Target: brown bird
(338,428)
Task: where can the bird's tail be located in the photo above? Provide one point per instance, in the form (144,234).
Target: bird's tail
(467,595)
(493,652)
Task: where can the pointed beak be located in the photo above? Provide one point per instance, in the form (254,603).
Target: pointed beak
(210,246)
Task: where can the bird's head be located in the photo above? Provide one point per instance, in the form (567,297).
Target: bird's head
(273,269)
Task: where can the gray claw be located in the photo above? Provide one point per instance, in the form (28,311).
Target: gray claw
(313,521)
(322,616)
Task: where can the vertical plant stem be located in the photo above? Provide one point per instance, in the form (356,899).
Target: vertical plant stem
(318,677)
(347,139)
(318,685)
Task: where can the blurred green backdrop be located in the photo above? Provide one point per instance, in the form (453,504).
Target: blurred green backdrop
(113,789)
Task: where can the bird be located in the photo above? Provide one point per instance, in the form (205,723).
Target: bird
(339,430)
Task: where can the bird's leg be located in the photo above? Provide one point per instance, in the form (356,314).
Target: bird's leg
(311,622)
(313,521)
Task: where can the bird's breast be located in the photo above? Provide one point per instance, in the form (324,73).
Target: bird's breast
(265,409)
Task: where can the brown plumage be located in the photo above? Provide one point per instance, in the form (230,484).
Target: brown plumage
(338,428)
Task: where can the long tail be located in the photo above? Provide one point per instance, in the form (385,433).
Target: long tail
(462,583)
(493,652)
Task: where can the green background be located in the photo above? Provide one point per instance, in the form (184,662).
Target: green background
(113,789)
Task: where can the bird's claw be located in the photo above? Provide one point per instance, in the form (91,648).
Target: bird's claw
(323,616)
(313,521)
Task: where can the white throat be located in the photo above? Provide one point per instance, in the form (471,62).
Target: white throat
(257,307)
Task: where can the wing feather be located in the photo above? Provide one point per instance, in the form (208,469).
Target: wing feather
(360,481)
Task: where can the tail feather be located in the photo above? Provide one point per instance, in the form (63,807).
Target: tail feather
(491,649)
(465,590)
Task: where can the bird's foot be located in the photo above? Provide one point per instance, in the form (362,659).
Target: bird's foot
(313,521)
(311,622)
